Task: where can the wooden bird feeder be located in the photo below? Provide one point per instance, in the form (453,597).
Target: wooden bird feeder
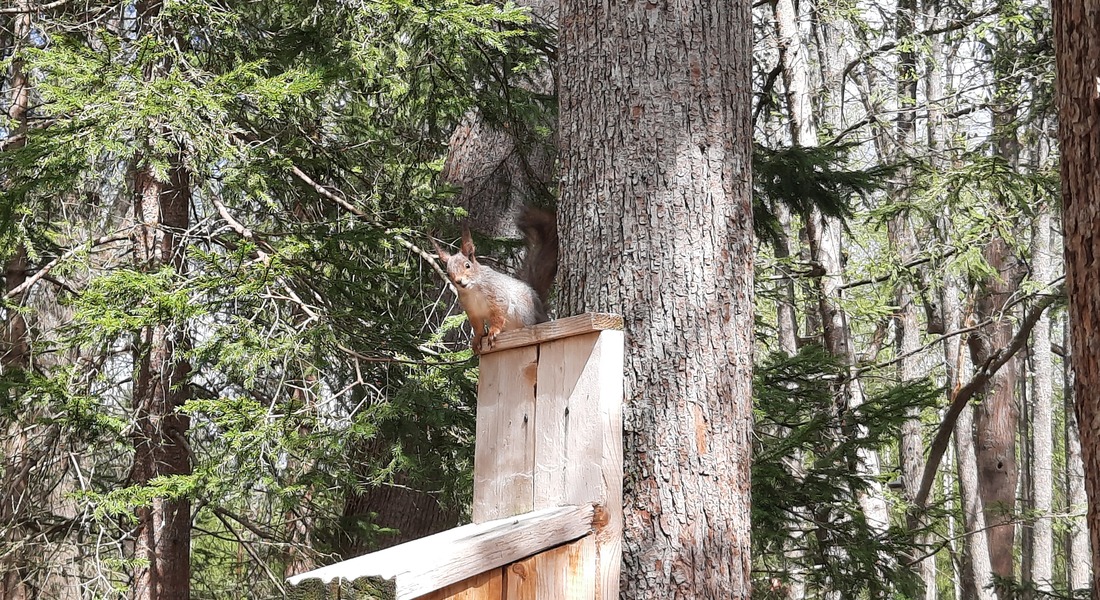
(548,470)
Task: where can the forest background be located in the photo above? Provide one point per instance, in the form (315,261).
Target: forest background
(217,316)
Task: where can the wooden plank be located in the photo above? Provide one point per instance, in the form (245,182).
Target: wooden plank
(568,427)
(436,561)
(609,354)
(564,573)
(504,453)
(553,330)
(578,438)
(486,586)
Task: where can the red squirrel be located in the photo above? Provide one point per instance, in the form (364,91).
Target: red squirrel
(494,302)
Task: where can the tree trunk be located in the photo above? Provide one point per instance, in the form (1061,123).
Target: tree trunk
(1078,574)
(825,248)
(825,240)
(996,418)
(904,241)
(412,513)
(656,216)
(1042,436)
(1077,50)
(15,356)
(163,534)
(502,169)
(977,542)
(792,58)
(978,584)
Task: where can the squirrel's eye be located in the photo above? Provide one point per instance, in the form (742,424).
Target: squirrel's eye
(468,265)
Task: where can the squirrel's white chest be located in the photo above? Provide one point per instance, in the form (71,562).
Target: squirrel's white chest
(480,305)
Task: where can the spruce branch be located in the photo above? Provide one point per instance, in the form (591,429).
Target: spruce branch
(400,239)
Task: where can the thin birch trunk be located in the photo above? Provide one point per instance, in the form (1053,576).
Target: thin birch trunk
(1042,436)
(966,462)
(825,247)
(904,241)
(792,57)
(1078,563)
(825,240)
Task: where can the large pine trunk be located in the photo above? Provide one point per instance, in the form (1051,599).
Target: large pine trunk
(656,223)
(1077,49)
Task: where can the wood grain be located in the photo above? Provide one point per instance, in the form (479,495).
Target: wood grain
(486,586)
(567,433)
(504,455)
(437,561)
(563,573)
(609,354)
(553,330)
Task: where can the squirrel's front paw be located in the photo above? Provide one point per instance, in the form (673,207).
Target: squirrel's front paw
(492,336)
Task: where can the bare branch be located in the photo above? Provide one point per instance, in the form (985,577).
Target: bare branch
(908,265)
(400,239)
(962,396)
(961,23)
(22,10)
(222,515)
(45,270)
(388,359)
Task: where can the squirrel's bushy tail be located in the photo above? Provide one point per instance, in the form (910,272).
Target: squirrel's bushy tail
(540,227)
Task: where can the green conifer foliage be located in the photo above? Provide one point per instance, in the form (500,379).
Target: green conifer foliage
(312,135)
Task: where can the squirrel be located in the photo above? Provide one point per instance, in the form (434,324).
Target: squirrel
(495,302)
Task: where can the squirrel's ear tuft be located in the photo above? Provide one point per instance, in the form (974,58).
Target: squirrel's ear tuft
(442,254)
(467,247)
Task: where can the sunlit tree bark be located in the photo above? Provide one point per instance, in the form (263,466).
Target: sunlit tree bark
(656,222)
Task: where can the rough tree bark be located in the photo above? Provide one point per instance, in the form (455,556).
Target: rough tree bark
(656,223)
(1077,51)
